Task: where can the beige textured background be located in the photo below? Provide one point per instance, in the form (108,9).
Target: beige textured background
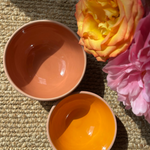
(23,120)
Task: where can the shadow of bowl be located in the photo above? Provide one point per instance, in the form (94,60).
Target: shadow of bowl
(121,142)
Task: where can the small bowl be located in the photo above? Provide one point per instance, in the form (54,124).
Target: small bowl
(44,61)
(81,121)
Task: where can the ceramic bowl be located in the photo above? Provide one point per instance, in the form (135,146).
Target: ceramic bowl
(81,121)
(44,61)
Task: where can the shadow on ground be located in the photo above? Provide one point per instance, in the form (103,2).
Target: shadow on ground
(142,124)
(58,10)
(121,142)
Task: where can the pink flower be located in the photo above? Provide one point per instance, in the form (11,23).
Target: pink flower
(129,72)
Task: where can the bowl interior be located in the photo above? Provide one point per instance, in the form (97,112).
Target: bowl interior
(43,59)
(82,121)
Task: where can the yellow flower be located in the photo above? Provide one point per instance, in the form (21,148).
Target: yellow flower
(106,27)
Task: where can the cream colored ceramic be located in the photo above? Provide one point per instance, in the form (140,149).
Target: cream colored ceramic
(81,121)
(44,61)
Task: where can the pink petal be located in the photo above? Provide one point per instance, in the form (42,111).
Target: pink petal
(114,69)
(147,42)
(121,98)
(143,26)
(146,80)
(140,82)
(136,46)
(114,80)
(125,100)
(139,105)
(129,85)
(147,115)
(146,65)
(144,54)
(120,59)
(145,96)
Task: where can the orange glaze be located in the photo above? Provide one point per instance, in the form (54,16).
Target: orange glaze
(82,122)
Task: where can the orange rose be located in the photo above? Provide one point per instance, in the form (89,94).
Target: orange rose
(106,27)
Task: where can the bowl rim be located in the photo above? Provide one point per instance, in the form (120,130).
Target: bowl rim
(81,92)
(34,97)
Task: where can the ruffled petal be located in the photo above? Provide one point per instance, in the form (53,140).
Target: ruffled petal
(125,100)
(143,26)
(146,80)
(95,9)
(114,81)
(137,44)
(80,7)
(119,36)
(129,85)
(146,65)
(139,105)
(147,43)
(143,54)
(115,62)
(90,28)
(107,26)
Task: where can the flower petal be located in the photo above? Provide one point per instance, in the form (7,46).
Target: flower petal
(90,28)
(143,54)
(121,59)
(107,26)
(146,80)
(137,44)
(125,100)
(139,105)
(113,82)
(95,9)
(129,85)
(143,26)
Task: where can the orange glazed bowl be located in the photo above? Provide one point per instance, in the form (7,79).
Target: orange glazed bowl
(81,121)
(44,61)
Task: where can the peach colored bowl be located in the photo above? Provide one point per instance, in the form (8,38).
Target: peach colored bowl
(81,121)
(44,61)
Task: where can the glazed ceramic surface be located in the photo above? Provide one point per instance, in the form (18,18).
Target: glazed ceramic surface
(81,121)
(43,60)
